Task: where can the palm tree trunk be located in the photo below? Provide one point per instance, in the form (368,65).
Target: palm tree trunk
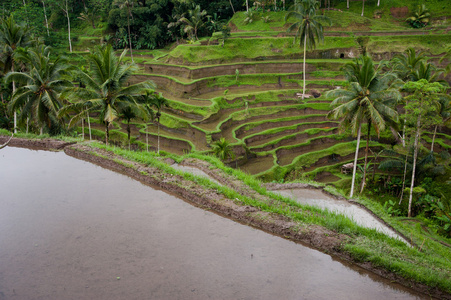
(247,5)
(107,133)
(366,158)
(129,35)
(347,4)
(433,138)
(45,16)
(128,134)
(83,128)
(14,89)
(28,120)
(147,138)
(303,71)
(378,2)
(68,27)
(363,6)
(403,180)
(89,125)
(233,9)
(415,154)
(355,160)
(158,150)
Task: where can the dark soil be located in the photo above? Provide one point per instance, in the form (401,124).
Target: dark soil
(312,235)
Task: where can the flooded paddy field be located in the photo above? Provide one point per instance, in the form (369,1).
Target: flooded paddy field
(72,230)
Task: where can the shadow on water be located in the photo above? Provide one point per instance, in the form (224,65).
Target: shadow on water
(72,230)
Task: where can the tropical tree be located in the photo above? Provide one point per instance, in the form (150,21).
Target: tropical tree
(146,100)
(128,4)
(105,87)
(194,21)
(128,112)
(444,115)
(223,150)
(371,97)
(158,102)
(422,111)
(406,64)
(38,97)
(12,36)
(308,26)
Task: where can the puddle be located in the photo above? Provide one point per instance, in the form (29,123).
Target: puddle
(321,200)
(72,230)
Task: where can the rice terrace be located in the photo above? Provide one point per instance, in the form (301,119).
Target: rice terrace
(228,149)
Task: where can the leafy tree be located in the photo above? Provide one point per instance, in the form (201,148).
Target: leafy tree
(105,87)
(422,111)
(369,97)
(38,96)
(223,150)
(308,26)
(12,36)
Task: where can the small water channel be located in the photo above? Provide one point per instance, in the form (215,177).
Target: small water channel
(72,230)
(354,212)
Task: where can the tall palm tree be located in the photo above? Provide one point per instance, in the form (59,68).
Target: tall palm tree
(128,4)
(146,101)
(369,97)
(12,36)
(105,87)
(308,26)
(158,101)
(39,94)
(406,64)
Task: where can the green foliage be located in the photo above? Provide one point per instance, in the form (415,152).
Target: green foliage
(420,17)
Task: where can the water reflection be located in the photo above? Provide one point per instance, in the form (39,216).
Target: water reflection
(72,230)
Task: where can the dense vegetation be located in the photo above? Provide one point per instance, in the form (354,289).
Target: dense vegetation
(234,91)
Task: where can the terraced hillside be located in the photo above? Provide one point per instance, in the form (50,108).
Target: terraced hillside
(247,91)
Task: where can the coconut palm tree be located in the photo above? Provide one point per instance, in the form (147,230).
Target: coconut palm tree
(406,64)
(308,26)
(39,94)
(369,97)
(105,87)
(128,4)
(129,111)
(12,36)
(223,150)
(194,21)
(158,102)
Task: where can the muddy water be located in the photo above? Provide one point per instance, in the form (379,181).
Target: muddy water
(72,230)
(320,199)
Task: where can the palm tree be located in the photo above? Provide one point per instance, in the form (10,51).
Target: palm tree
(405,65)
(38,97)
(129,111)
(308,26)
(369,97)
(128,4)
(158,102)
(223,150)
(105,87)
(194,21)
(445,115)
(12,36)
